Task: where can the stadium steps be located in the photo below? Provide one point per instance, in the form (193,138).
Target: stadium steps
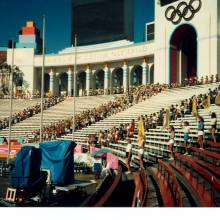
(18,106)
(156,143)
(61,111)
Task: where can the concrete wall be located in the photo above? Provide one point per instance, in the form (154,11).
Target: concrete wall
(207,40)
(24,59)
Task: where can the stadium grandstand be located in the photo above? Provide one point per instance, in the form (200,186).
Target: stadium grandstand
(141,119)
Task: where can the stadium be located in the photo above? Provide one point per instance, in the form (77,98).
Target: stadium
(112,122)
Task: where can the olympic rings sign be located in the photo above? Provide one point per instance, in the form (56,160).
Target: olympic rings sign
(183,11)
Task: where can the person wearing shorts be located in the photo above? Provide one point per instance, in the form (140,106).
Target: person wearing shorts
(128,154)
(141,151)
(186,130)
(213,126)
(171,140)
(201,127)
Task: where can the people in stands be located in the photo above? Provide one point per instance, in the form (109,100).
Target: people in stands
(29,112)
(213,126)
(132,128)
(201,127)
(171,141)
(186,137)
(141,151)
(128,154)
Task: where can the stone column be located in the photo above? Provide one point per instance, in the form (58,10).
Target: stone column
(149,75)
(70,81)
(125,76)
(52,75)
(1,77)
(106,79)
(144,73)
(88,79)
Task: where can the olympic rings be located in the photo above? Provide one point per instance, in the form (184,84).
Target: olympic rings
(182,11)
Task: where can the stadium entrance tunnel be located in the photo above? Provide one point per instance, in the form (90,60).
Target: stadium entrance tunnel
(136,76)
(63,83)
(183,54)
(99,79)
(117,78)
(81,83)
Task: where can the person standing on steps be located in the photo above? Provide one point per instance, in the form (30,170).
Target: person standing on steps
(213,126)
(141,151)
(186,131)
(171,141)
(201,127)
(128,154)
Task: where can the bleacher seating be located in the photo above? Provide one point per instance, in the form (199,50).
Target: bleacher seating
(202,181)
(156,146)
(61,111)
(18,106)
(200,169)
(169,186)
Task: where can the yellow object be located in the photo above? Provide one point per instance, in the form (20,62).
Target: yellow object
(141,131)
(207,102)
(217,99)
(194,108)
(30,24)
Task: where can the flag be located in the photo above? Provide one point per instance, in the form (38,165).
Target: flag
(194,108)
(207,102)
(217,99)
(140,130)
(166,119)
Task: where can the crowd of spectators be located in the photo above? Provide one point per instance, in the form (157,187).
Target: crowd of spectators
(135,95)
(162,118)
(29,112)
(86,118)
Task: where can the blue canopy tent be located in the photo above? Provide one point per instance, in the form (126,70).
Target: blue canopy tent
(27,174)
(57,156)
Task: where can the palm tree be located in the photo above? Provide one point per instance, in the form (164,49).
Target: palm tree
(5,71)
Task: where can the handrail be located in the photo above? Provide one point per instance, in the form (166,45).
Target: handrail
(215,185)
(178,196)
(141,189)
(208,153)
(210,178)
(107,195)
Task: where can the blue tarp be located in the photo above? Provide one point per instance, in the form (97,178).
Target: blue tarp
(26,173)
(57,156)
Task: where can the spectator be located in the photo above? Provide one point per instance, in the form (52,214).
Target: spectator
(213,126)
(171,141)
(186,130)
(201,127)
(128,154)
(141,151)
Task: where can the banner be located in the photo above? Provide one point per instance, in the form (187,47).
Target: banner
(141,132)
(207,102)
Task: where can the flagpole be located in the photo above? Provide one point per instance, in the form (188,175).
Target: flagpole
(11,96)
(74,89)
(210,44)
(42,81)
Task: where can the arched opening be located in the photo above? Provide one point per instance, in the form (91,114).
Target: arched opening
(136,76)
(117,78)
(46,82)
(99,79)
(63,84)
(81,83)
(183,54)
(152,74)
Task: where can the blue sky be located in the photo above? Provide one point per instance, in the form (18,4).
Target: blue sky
(15,13)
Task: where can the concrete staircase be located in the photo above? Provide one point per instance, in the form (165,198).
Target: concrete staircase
(18,106)
(156,143)
(61,111)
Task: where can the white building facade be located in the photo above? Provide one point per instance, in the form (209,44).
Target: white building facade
(186,44)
